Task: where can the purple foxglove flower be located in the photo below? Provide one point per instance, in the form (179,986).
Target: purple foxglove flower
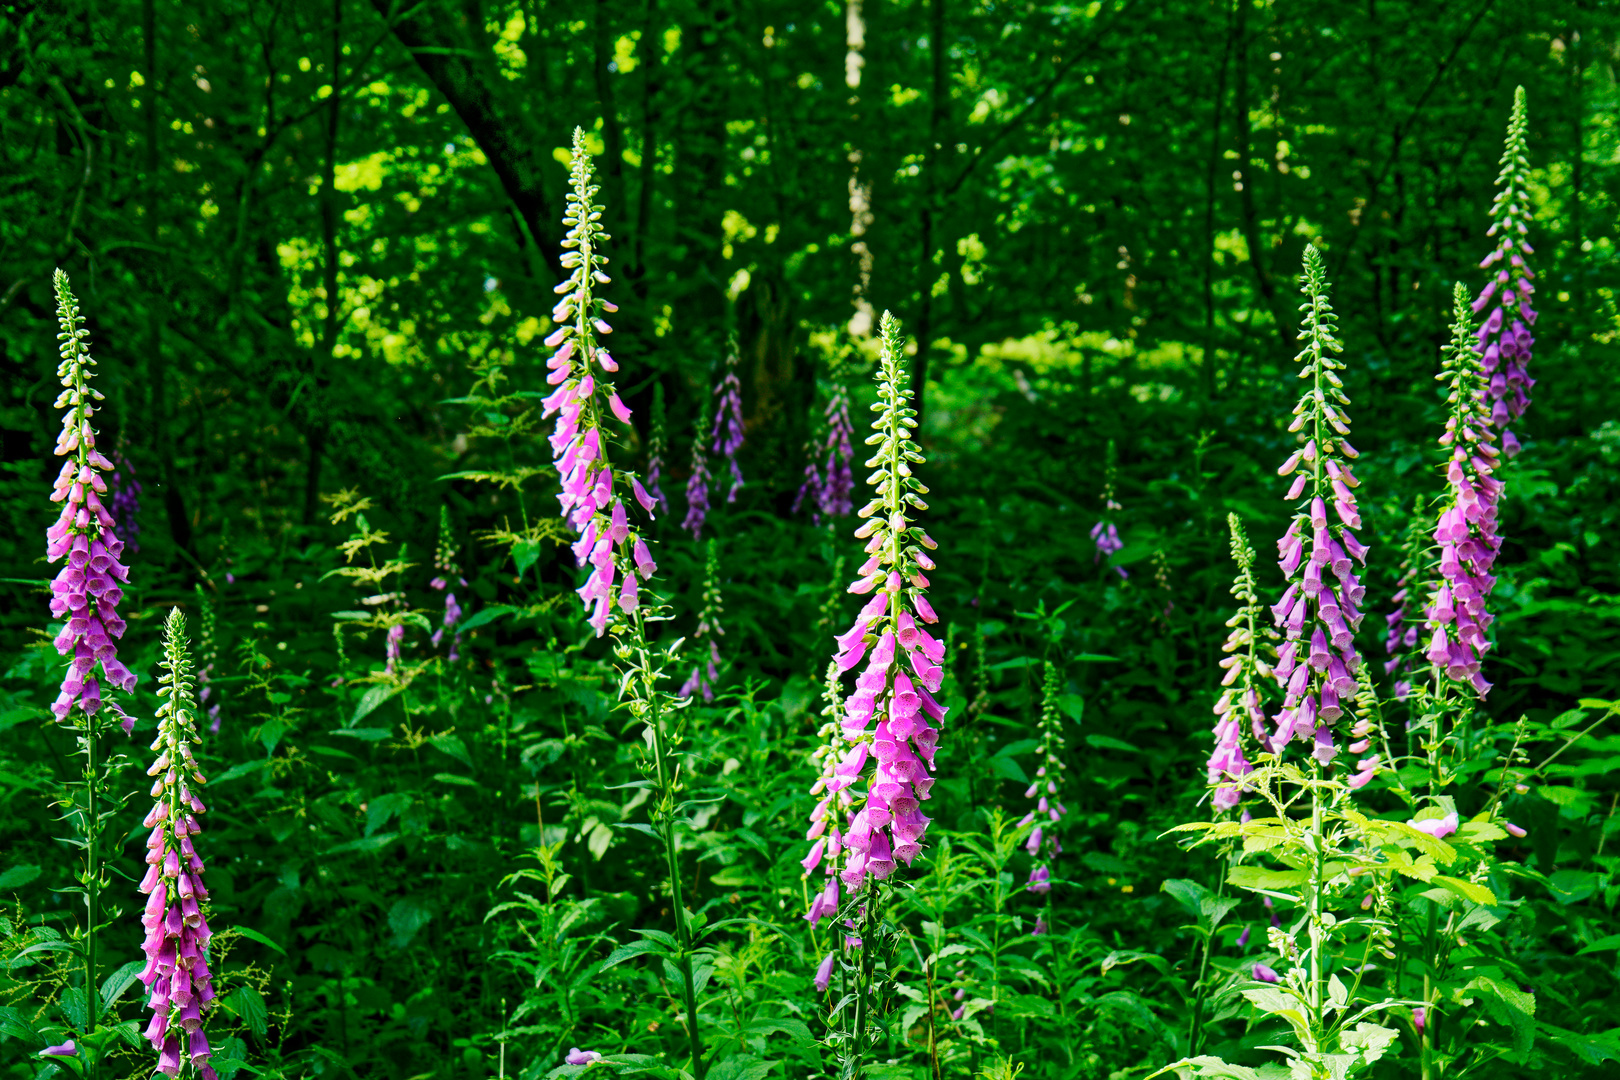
(704,676)
(126,499)
(1047,789)
(1264,974)
(1319,648)
(886,722)
(1516,830)
(726,436)
(590,502)
(87,590)
(1240,710)
(697,490)
(180,987)
(810,488)
(1504,342)
(657,447)
(1243,938)
(824,972)
(1105,534)
(67,1049)
(1040,926)
(576,1056)
(1418,1018)
(831,486)
(1456,617)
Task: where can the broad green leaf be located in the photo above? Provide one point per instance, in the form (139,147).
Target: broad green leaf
(1478,894)
(1256,877)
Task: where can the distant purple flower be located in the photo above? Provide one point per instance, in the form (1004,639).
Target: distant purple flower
(1504,341)
(180,985)
(726,436)
(126,499)
(838,475)
(886,720)
(704,678)
(1105,534)
(697,491)
(599,514)
(1264,974)
(656,448)
(67,1049)
(1047,790)
(1243,938)
(444,560)
(1455,612)
(88,588)
(396,635)
(1040,926)
(576,1056)
(809,487)
(1319,612)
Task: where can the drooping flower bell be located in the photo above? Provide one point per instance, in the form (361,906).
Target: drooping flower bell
(888,720)
(1047,790)
(594,494)
(706,672)
(177,977)
(1320,611)
(1241,708)
(1504,338)
(726,437)
(1466,532)
(89,587)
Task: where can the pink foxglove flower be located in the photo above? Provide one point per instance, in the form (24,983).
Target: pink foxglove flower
(1241,707)
(594,495)
(726,437)
(576,1056)
(888,720)
(1047,790)
(179,983)
(89,587)
(1504,338)
(1455,611)
(706,672)
(1320,611)
(1439,828)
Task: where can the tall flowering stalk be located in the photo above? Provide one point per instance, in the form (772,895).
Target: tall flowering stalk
(85,595)
(1504,339)
(838,475)
(1242,702)
(1403,620)
(207,655)
(1105,534)
(657,447)
(706,672)
(726,436)
(1455,611)
(1047,790)
(827,848)
(179,983)
(1319,613)
(621,563)
(697,484)
(444,561)
(886,720)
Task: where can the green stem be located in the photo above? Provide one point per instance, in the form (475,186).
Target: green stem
(855,1063)
(92,880)
(666,828)
(1193,1026)
(1317,860)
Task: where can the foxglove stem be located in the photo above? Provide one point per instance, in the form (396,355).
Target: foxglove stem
(886,719)
(607,541)
(207,655)
(726,437)
(657,447)
(444,562)
(1403,622)
(1320,611)
(1246,668)
(706,672)
(838,476)
(179,983)
(1047,789)
(1455,611)
(1504,339)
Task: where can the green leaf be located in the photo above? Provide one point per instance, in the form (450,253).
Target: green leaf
(1256,877)
(1073,706)
(364,734)
(247,1003)
(525,553)
(236,772)
(254,935)
(17,876)
(631,951)
(372,700)
(1107,742)
(1478,894)
(452,778)
(364,844)
(451,744)
(405,918)
(485,615)
(113,987)
(1602,945)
